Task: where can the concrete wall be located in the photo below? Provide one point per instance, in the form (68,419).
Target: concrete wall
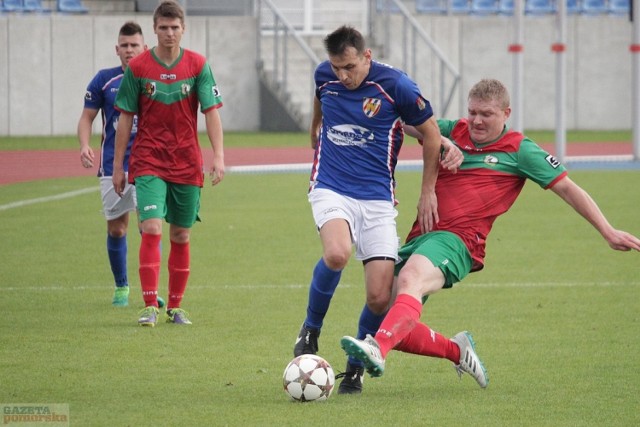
(46,62)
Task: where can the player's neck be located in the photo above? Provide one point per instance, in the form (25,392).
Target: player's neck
(167,55)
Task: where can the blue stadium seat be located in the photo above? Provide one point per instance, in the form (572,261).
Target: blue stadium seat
(12,6)
(619,7)
(431,6)
(484,7)
(459,6)
(573,6)
(35,6)
(384,5)
(71,6)
(539,7)
(593,7)
(505,7)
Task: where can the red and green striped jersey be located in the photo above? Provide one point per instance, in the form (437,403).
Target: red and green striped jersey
(166,100)
(487,184)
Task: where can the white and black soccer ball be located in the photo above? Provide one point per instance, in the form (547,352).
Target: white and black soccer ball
(308,378)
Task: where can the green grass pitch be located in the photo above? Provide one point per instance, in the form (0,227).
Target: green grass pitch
(554,314)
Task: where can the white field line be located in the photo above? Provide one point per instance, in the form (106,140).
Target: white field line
(278,168)
(21,203)
(54,288)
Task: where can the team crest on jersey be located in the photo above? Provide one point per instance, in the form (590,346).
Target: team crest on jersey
(491,160)
(150,88)
(552,161)
(185,88)
(371,106)
(420,103)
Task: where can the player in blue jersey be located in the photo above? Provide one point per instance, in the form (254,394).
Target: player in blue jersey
(357,130)
(100,97)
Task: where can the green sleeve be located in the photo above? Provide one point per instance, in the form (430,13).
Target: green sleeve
(446,126)
(538,165)
(208,93)
(127,97)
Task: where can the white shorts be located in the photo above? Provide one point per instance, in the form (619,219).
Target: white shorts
(114,206)
(372,222)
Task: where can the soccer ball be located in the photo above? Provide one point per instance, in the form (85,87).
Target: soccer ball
(308,377)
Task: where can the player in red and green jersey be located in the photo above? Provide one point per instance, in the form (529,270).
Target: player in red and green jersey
(165,86)
(497,162)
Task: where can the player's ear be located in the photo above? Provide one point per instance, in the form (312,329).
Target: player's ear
(507,113)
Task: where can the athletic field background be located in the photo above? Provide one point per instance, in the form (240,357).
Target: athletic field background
(555,313)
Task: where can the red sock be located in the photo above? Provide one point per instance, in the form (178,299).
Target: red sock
(178,272)
(398,323)
(149,268)
(426,342)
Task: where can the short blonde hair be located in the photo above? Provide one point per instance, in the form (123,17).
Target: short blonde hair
(491,90)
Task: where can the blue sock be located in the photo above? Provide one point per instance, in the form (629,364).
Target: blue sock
(117,250)
(323,285)
(368,324)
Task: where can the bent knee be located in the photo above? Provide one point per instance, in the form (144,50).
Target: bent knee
(420,281)
(379,303)
(337,259)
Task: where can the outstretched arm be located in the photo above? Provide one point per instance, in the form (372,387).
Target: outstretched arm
(582,203)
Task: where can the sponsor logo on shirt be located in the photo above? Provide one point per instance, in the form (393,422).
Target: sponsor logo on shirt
(215,91)
(552,161)
(88,96)
(371,106)
(348,134)
(168,76)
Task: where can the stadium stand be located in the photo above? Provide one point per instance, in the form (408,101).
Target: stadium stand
(539,7)
(484,7)
(619,7)
(431,6)
(384,5)
(573,7)
(11,6)
(71,6)
(35,6)
(505,7)
(593,7)
(443,6)
(459,6)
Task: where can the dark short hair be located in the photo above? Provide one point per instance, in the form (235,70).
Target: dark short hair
(344,37)
(130,28)
(168,9)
